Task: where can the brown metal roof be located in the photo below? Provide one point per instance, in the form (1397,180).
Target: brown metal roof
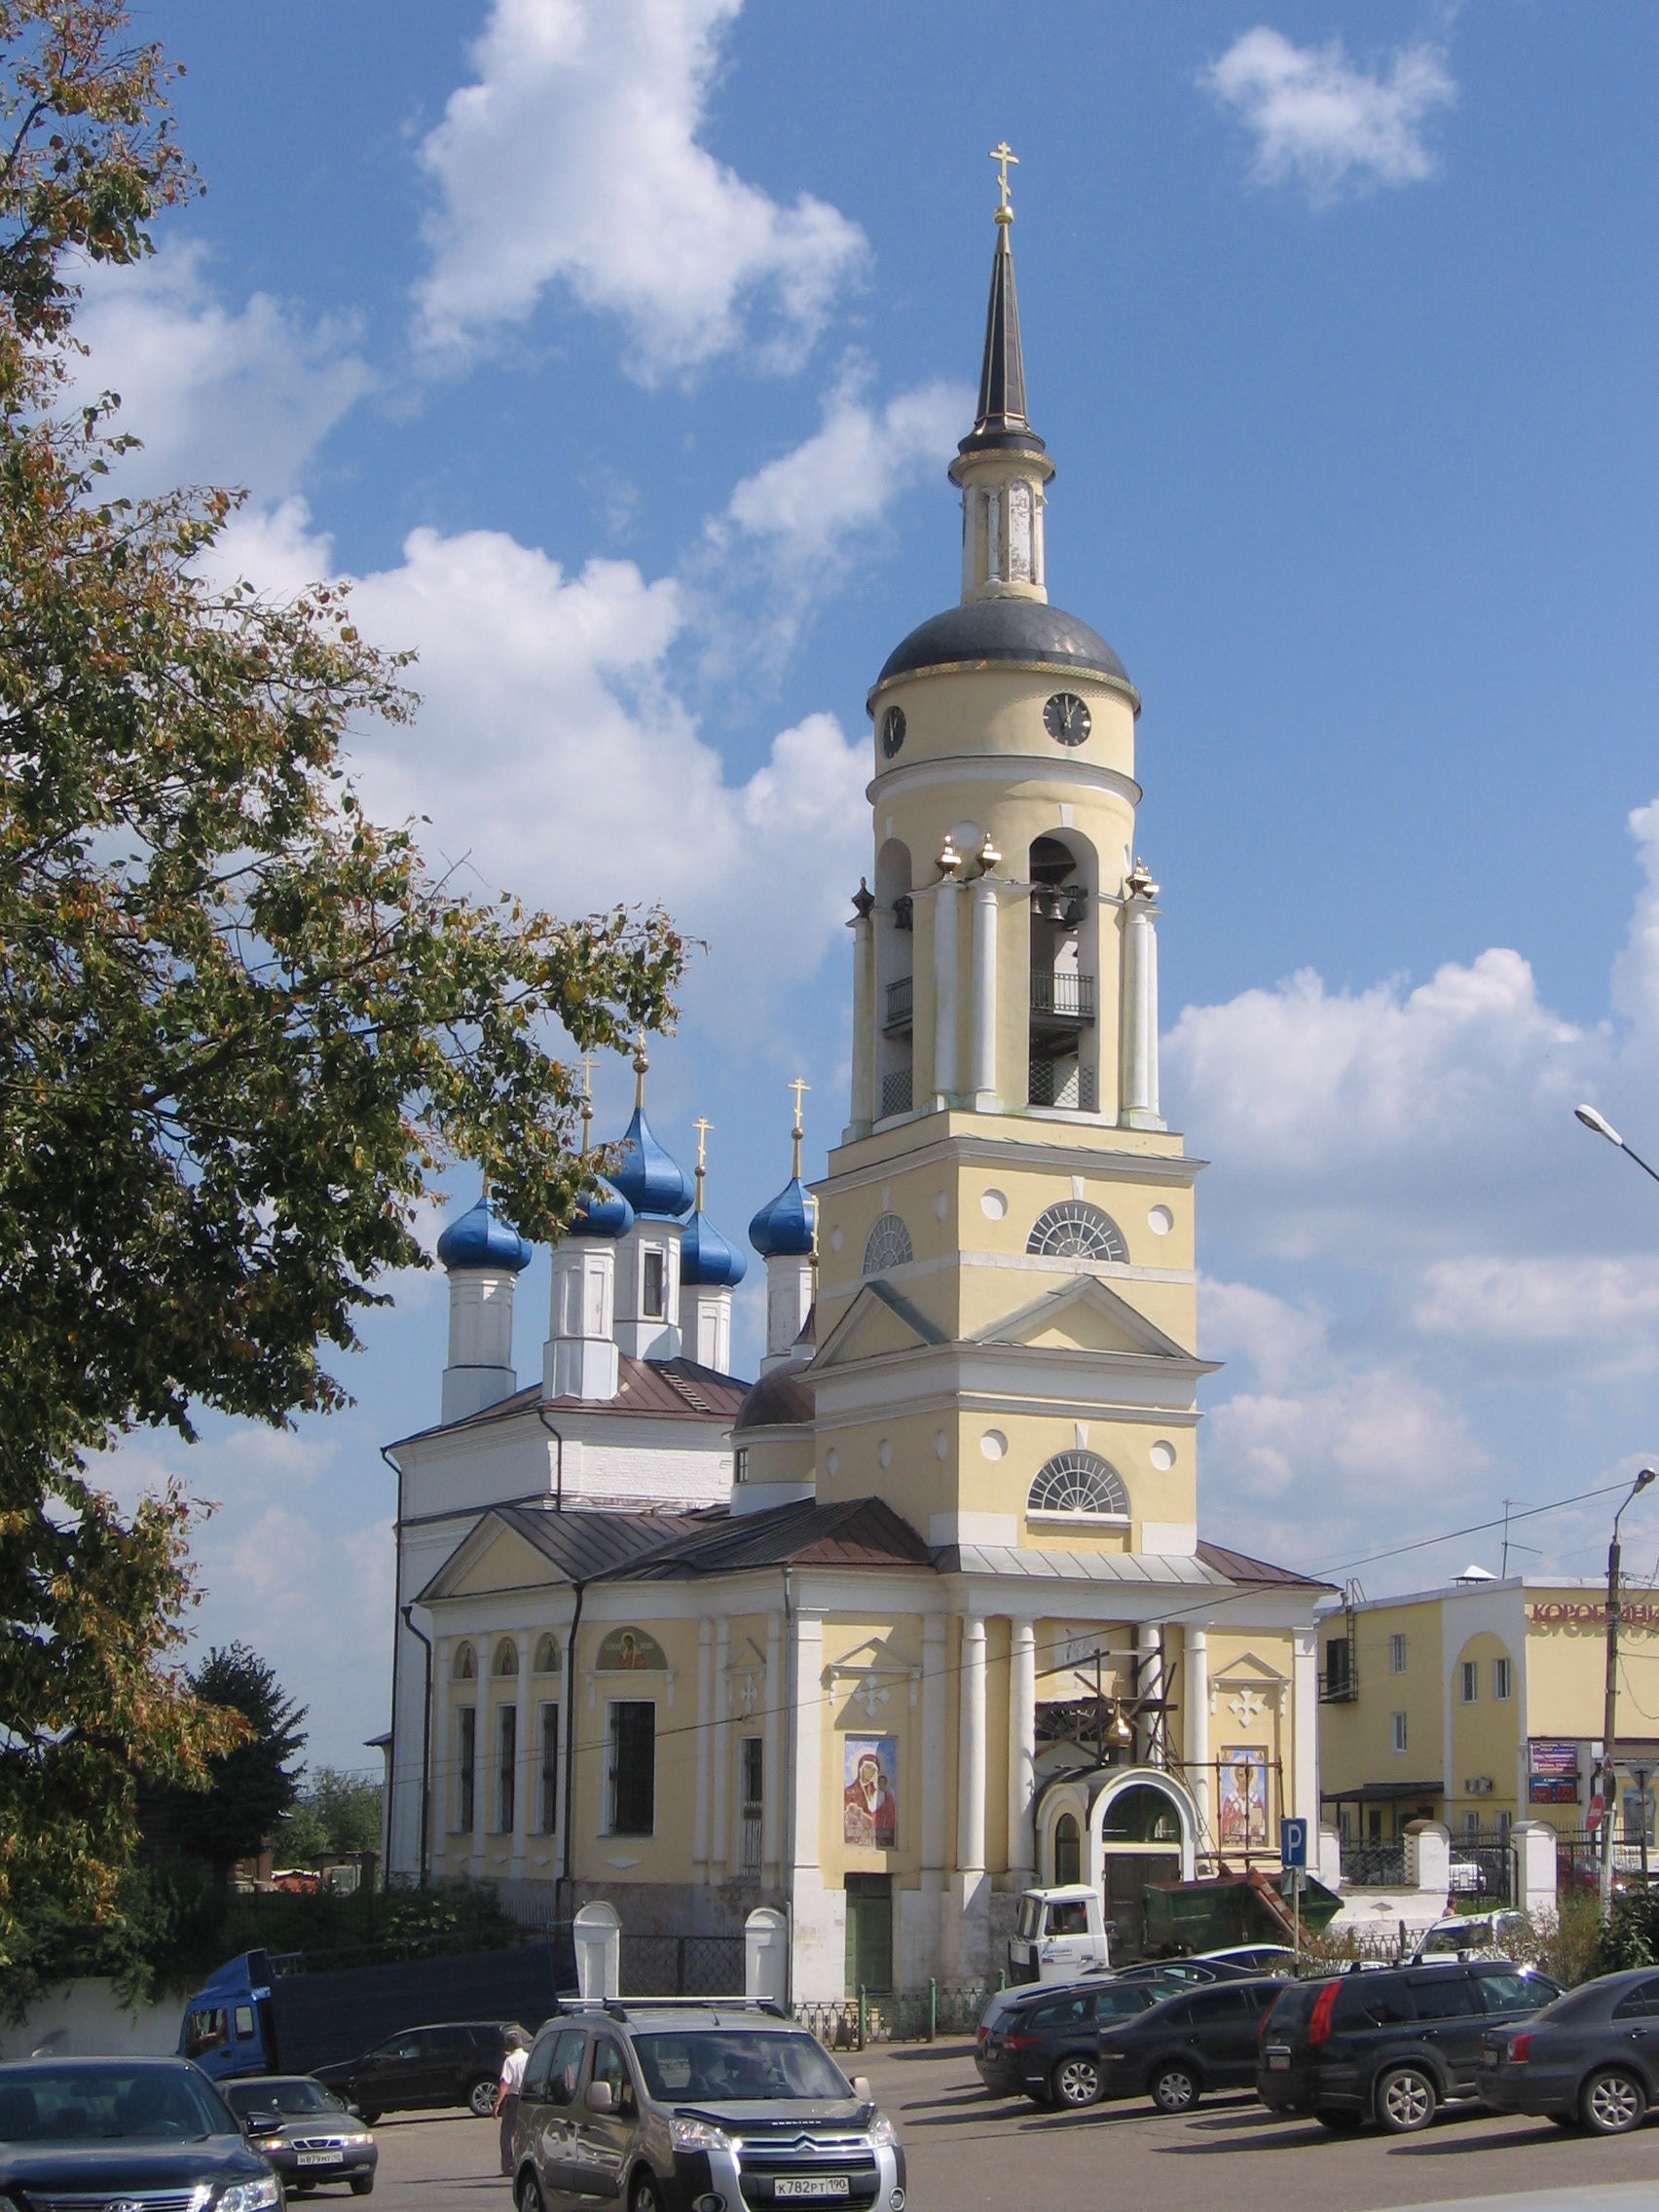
(1240,1567)
(860,1531)
(783,1399)
(649,1390)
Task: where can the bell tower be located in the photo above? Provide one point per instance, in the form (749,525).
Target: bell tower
(1007,1294)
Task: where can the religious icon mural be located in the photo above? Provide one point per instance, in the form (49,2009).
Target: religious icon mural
(631,1652)
(869,1796)
(1243,1797)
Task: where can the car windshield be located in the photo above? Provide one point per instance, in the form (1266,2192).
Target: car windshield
(1466,1935)
(244,2097)
(726,2067)
(108,2104)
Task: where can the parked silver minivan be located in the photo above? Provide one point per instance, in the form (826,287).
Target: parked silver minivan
(717,2106)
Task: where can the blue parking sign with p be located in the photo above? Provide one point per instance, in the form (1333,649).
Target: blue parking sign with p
(1293,1843)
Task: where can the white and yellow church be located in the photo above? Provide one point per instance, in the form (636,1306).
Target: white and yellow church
(924,1616)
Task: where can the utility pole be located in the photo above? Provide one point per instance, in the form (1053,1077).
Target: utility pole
(1610,1724)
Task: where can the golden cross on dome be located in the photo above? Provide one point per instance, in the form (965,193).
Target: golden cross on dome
(702,1128)
(587,1097)
(1002,154)
(799,1086)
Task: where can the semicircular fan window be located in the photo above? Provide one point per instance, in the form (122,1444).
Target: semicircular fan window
(888,1245)
(1075,1230)
(1080,1482)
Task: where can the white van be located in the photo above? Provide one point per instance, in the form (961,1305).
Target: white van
(1059,1935)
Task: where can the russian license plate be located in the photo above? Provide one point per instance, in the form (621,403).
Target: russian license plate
(1278,2062)
(321,2158)
(814,2186)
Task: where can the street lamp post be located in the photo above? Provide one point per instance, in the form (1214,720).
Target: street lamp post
(1604,1128)
(1610,1724)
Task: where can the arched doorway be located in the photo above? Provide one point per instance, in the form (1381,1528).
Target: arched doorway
(1120,1830)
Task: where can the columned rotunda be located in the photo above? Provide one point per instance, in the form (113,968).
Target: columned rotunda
(925,1615)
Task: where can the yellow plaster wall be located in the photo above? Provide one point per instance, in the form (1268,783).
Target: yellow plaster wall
(1486,1736)
(1356,1740)
(897,1643)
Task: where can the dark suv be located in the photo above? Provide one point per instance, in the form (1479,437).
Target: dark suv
(667,2105)
(141,2131)
(456,2063)
(1046,2046)
(1391,2044)
(1205,2039)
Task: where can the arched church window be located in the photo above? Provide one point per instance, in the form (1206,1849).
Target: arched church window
(1079,1483)
(888,1245)
(465,1667)
(547,1656)
(506,1661)
(1074,1230)
(1068,1851)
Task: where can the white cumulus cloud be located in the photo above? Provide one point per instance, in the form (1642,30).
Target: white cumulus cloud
(1319,120)
(574,156)
(218,394)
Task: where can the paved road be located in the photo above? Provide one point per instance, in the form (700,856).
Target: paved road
(967,2153)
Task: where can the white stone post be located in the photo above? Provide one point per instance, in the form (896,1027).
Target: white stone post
(1195,1712)
(933,1751)
(818,1925)
(966,1945)
(945,966)
(718,1786)
(1022,1753)
(1139,1108)
(1304,1725)
(864,1026)
(771,1777)
(984,1074)
(705,1719)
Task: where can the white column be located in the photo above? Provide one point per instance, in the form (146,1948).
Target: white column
(522,1767)
(864,1026)
(970,507)
(933,1751)
(1149,1682)
(993,536)
(946,964)
(705,1719)
(1304,1727)
(971,1762)
(1022,1753)
(771,1776)
(719,1787)
(1138,1072)
(984,1074)
(1195,1712)
(808,1739)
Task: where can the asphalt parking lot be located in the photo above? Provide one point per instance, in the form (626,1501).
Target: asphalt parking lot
(966,2151)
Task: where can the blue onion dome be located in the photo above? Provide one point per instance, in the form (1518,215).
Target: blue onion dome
(783,1228)
(601,1213)
(480,1239)
(706,1260)
(650,1180)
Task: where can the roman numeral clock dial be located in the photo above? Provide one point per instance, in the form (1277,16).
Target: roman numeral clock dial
(1066,718)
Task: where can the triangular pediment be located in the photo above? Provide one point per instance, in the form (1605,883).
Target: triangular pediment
(1088,1315)
(1247,1668)
(879,1321)
(490,1556)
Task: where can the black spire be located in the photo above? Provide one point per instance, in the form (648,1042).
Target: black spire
(1002,375)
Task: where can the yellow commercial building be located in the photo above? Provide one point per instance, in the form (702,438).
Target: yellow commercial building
(1481,1705)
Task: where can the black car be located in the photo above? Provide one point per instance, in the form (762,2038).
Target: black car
(458,2062)
(1205,2039)
(1046,2046)
(95,2131)
(305,2130)
(1591,2058)
(1391,2045)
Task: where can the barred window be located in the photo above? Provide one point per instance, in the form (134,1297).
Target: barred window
(1081,1483)
(888,1245)
(1075,1230)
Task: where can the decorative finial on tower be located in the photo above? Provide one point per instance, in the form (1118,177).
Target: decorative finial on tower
(640,1064)
(949,858)
(1003,154)
(1138,883)
(702,1127)
(864,901)
(587,1100)
(989,856)
(801,1086)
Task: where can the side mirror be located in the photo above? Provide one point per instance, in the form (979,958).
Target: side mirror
(598,2097)
(261,2122)
(861,2087)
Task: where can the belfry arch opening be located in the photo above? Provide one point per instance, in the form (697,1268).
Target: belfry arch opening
(1063,1054)
(894,981)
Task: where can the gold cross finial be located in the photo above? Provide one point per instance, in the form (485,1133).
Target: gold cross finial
(801,1086)
(702,1127)
(587,1097)
(640,1065)
(1003,154)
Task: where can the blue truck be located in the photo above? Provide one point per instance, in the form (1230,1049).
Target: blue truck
(256,2014)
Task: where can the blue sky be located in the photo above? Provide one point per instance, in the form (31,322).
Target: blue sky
(618,347)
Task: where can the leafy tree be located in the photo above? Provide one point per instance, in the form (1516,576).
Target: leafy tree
(334,1813)
(249,1786)
(240,1025)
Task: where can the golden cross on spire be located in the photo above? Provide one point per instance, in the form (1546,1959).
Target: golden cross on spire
(801,1086)
(1003,154)
(587,1097)
(702,1128)
(640,1064)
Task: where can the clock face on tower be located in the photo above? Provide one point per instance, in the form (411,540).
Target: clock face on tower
(1066,718)
(892,730)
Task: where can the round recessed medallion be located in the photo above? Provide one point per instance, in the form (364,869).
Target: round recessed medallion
(993,1206)
(993,1444)
(1160,1221)
(1065,718)
(892,730)
(1163,1455)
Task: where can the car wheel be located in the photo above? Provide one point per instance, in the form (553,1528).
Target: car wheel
(481,2097)
(1077,2080)
(1174,2089)
(1405,2100)
(1341,2123)
(368,2115)
(645,2195)
(1612,2102)
(528,2195)
(362,2185)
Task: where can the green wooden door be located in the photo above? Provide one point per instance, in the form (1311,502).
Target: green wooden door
(869,1933)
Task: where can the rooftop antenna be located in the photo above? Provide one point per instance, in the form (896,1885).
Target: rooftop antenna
(1509,1545)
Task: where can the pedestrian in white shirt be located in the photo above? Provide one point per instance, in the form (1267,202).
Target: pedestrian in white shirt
(507,2093)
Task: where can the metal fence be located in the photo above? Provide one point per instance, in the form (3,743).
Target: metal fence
(911,2016)
(1375,1865)
(681,1966)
